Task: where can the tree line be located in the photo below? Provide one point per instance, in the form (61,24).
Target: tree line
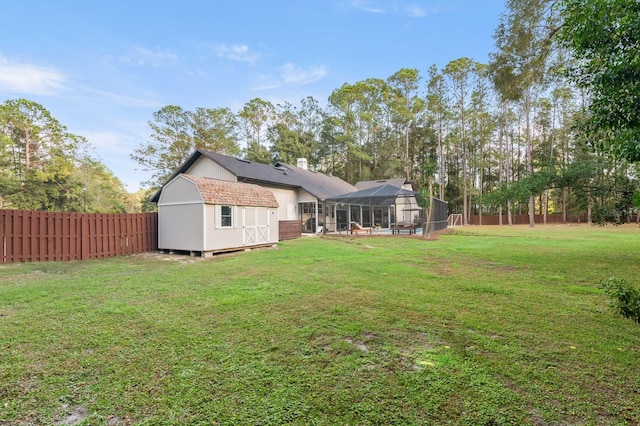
(522,133)
(549,125)
(45,167)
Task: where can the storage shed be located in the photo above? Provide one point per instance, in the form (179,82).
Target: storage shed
(198,214)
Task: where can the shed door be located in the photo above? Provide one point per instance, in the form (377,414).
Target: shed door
(255,225)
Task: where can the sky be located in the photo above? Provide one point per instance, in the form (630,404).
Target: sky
(103,67)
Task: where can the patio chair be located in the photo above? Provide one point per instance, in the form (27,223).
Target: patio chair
(357,228)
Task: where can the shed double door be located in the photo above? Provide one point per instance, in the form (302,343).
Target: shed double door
(255,225)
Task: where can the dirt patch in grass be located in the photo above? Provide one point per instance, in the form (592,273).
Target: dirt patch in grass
(77,415)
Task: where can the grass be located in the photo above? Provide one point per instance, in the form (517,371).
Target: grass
(487,325)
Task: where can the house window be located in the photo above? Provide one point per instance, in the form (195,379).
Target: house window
(226,217)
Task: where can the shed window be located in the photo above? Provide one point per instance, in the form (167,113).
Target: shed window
(226,216)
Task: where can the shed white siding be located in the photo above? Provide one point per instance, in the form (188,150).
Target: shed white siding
(180,227)
(251,226)
(180,191)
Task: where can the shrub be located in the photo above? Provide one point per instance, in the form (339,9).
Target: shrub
(623,297)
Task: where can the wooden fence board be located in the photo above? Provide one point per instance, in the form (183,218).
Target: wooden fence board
(34,236)
(289,229)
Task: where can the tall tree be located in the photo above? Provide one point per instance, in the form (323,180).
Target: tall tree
(287,144)
(176,133)
(407,106)
(603,36)
(44,167)
(481,129)
(215,130)
(460,73)
(524,44)
(351,108)
(438,108)
(170,145)
(256,117)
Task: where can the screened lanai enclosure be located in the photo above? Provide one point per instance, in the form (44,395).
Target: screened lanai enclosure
(380,208)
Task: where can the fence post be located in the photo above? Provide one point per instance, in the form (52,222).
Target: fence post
(84,237)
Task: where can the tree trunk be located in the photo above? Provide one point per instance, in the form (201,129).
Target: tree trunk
(441,156)
(408,164)
(564,205)
(546,206)
(465,202)
(529,159)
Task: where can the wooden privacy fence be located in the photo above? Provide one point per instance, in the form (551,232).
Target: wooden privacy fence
(289,229)
(35,236)
(522,219)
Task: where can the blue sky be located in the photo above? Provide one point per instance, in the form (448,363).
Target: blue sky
(102,68)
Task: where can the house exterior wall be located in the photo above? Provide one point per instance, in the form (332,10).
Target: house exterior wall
(288,202)
(205,167)
(305,197)
(407,209)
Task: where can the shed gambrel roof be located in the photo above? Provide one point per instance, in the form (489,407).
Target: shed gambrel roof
(221,192)
(319,185)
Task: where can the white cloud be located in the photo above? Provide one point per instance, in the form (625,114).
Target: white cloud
(150,101)
(28,78)
(113,143)
(366,6)
(140,56)
(236,52)
(291,75)
(415,10)
(296,76)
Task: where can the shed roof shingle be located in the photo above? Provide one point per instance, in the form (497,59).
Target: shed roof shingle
(220,192)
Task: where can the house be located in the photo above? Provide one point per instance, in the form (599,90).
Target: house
(300,193)
(204,215)
(308,201)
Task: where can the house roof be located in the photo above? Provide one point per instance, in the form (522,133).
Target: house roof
(221,192)
(317,184)
(366,184)
(378,195)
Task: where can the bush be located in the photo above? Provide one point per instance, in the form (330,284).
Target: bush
(623,298)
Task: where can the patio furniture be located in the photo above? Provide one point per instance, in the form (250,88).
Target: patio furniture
(357,228)
(404,226)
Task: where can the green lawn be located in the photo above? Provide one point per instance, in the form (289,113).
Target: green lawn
(487,325)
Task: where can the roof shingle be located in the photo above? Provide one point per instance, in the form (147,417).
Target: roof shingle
(221,192)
